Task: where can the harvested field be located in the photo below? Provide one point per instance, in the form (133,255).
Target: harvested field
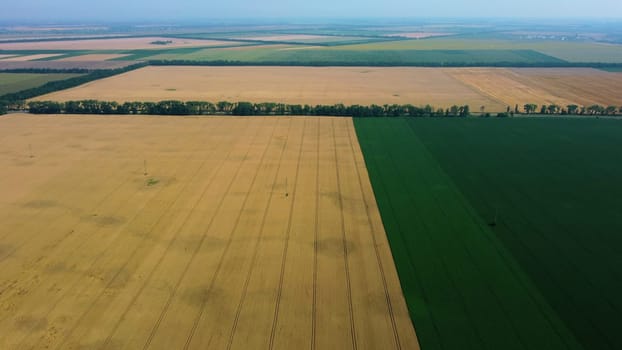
(244,233)
(92,57)
(110,44)
(544,85)
(4,65)
(303,85)
(28,57)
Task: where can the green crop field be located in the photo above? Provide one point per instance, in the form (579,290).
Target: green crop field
(14,82)
(547,274)
(277,37)
(313,55)
(572,51)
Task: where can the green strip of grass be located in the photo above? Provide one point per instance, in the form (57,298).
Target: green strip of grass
(463,288)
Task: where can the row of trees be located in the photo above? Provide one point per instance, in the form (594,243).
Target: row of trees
(535,64)
(240,108)
(572,109)
(173,107)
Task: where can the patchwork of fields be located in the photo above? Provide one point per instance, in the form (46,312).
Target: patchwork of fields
(269,232)
(493,88)
(191,233)
(504,232)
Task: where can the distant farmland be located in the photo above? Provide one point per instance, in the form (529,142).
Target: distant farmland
(493,88)
(14,82)
(108,44)
(505,232)
(60,65)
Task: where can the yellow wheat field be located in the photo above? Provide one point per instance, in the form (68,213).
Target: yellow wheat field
(199,233)
(294,85)
(493,88)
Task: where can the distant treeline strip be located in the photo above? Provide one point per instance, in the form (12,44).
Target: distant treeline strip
(552,64)
(174,107)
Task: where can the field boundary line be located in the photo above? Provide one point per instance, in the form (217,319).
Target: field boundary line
(316,236)
(257,243)
(344,242)
(286,243)
(385,287)
(229,241)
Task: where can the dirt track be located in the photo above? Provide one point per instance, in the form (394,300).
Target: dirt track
(250,233)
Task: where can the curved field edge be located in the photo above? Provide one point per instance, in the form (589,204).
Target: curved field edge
(554,185)
(463,288)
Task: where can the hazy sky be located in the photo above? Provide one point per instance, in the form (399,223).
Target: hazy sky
(119,10)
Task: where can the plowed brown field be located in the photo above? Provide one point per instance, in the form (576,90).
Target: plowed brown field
(199,233)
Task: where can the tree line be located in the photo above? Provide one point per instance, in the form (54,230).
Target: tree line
(571,109)
(173,107)
(217,63)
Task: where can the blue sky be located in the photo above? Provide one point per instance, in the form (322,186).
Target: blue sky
(119,10)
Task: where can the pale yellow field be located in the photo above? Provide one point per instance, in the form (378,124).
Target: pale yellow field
(294,85)
(287,37)
(245,233)
(29,57)
(110,44)
(544,85)
(253,47)
(92,57)
(419,35)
